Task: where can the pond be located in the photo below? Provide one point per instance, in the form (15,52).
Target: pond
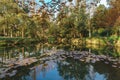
(59,68)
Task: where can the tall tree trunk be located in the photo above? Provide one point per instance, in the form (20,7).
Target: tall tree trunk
(4,31)
(22,32)
(22,3)
(89,29)
(7,28)
(11,34)
(23,52)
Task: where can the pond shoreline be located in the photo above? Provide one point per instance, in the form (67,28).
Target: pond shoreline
(73,41)
(12,67)
(58,56)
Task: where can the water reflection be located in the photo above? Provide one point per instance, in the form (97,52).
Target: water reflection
(68,69)
(20,52)
(75,70)
(8,53)
(96,49)
(81,71)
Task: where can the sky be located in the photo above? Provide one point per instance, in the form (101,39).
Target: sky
(101,2)
(44,0)
(104,2)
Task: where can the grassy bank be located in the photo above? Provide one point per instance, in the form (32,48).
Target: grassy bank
(13,41)
(111,41)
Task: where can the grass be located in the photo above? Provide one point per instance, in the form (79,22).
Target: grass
(13,40)
(9,39)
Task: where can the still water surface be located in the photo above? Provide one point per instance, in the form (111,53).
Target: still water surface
(68,69)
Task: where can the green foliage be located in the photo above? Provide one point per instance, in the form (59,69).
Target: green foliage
(51,39)
(9,39)
(70,22)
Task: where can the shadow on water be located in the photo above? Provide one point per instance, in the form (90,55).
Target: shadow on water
(83,71)
(73,70)
(69,69)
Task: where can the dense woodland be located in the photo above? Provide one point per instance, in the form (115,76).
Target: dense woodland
(57,19)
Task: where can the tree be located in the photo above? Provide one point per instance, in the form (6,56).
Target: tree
(10,14)
(98,21)
(106,17)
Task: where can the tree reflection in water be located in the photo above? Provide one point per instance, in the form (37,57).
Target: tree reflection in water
(73,71)
(68,69)
(77,70)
